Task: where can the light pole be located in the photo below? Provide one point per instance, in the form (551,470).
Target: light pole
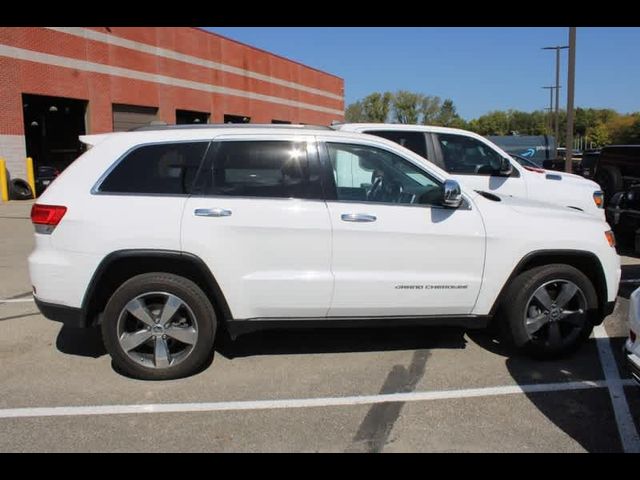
(557,49)
(550,105)
(571,78)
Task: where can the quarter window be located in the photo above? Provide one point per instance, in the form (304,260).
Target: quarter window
(370,174)
(466,155)
(276,169)
(168,168)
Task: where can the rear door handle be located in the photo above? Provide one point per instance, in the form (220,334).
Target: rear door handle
(358,217)
(212,212)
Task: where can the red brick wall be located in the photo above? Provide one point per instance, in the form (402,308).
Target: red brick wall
(102,90)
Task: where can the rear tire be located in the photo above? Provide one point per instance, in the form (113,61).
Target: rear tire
(159,326)
(611,181)
(534,315)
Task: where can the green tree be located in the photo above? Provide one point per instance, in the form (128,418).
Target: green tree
(448,115)
(355,113)
(430,109)
(376,107)
(598,134)
(407,106)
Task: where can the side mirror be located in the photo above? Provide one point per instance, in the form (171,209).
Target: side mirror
(452,195)
(506,168)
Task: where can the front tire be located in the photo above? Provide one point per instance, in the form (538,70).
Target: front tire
(159,326)
(549,311)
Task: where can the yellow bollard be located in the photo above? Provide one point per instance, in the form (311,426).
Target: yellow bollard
(4,188)
(31,178)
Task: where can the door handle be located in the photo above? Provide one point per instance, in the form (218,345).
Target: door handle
(357,217)
(212,212)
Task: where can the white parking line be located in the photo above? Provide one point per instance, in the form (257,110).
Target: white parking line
(300,402)
(16,300)
(626,427)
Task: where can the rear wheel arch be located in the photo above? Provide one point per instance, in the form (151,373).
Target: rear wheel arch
(119,266)
(587,262)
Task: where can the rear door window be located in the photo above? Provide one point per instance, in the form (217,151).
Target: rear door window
(414,141)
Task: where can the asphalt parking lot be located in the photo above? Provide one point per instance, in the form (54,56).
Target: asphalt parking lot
(401,390)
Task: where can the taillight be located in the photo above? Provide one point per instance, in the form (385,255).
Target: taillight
(45,218)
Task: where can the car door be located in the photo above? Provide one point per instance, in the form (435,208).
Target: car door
(476,164)
(396,252)
(259,221)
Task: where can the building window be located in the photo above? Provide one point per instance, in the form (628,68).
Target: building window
(284,122)
(189,117)
(236,119)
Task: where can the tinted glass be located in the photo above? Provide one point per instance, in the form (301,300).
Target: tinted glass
(466,155)
(279,169)
(369,174)
(414,141)
(168,168)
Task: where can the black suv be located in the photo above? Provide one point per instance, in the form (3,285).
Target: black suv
(617,170)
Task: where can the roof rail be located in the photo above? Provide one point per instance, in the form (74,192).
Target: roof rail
(204,126)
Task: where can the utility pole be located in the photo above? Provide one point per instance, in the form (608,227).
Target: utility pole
(557,49)
(571,78)
(550,106)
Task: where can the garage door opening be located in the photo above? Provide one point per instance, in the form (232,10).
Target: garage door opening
(186,117)
(129,117)
(52,126)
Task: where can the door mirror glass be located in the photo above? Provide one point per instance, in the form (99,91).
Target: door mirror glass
(452,195)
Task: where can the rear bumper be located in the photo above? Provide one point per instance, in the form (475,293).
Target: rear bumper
(69,316)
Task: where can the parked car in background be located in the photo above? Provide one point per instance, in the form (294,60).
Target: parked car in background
(616,168)
(44,176)
(481,165)
(164,237)
(632,345)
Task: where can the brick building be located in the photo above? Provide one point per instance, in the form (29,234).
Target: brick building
(60,82)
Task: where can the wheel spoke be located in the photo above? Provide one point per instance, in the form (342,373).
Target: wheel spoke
(534,324)
(555,338)
(187,335)
(171,306)
(161,356)
(139,310)
(129,341)
(567,292)
(543,297)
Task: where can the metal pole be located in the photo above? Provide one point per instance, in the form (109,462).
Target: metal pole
(571,78)
(557,98)
(557,87)
(550,107)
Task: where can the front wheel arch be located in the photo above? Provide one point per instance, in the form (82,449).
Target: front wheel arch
(587,262)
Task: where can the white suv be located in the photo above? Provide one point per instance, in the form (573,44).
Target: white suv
(480,164)
(164,236)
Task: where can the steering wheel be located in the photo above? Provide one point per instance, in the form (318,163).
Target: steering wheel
(376,188)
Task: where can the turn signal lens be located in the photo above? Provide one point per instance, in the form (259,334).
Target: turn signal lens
(598,198)
(610,238)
